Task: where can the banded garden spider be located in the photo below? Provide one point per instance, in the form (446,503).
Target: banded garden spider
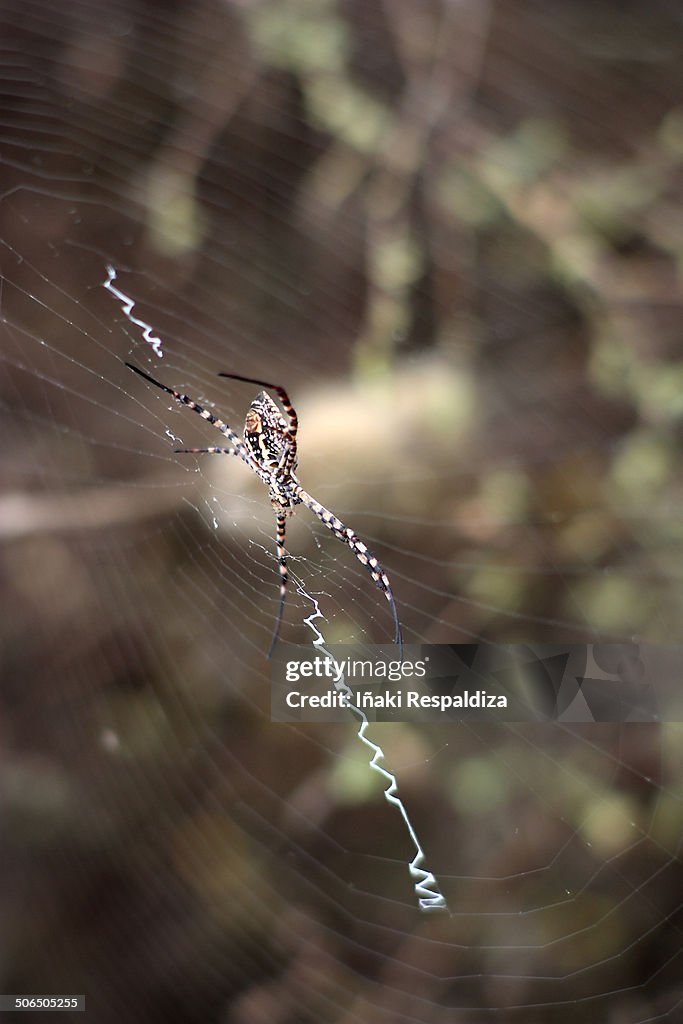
(269,449)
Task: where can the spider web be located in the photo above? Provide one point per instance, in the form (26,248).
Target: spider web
(430,225)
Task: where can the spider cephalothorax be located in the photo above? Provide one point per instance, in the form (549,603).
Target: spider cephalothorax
(269,449)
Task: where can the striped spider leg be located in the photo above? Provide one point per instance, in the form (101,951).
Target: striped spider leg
(269,448)
(238,446)
(365,557)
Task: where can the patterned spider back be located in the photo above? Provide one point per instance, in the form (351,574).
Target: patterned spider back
(265,431)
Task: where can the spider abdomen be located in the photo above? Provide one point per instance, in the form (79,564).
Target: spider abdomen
(266,433)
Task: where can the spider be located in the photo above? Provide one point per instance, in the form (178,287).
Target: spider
(269,449)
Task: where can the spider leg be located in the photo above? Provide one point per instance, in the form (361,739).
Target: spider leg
(281,520)
(239,446)
(205,451)
(289,455)
(365,557)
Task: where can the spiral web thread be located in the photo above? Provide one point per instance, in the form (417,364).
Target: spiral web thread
(425,884)
(127,305)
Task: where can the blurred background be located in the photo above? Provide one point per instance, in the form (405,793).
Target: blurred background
(452,230)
